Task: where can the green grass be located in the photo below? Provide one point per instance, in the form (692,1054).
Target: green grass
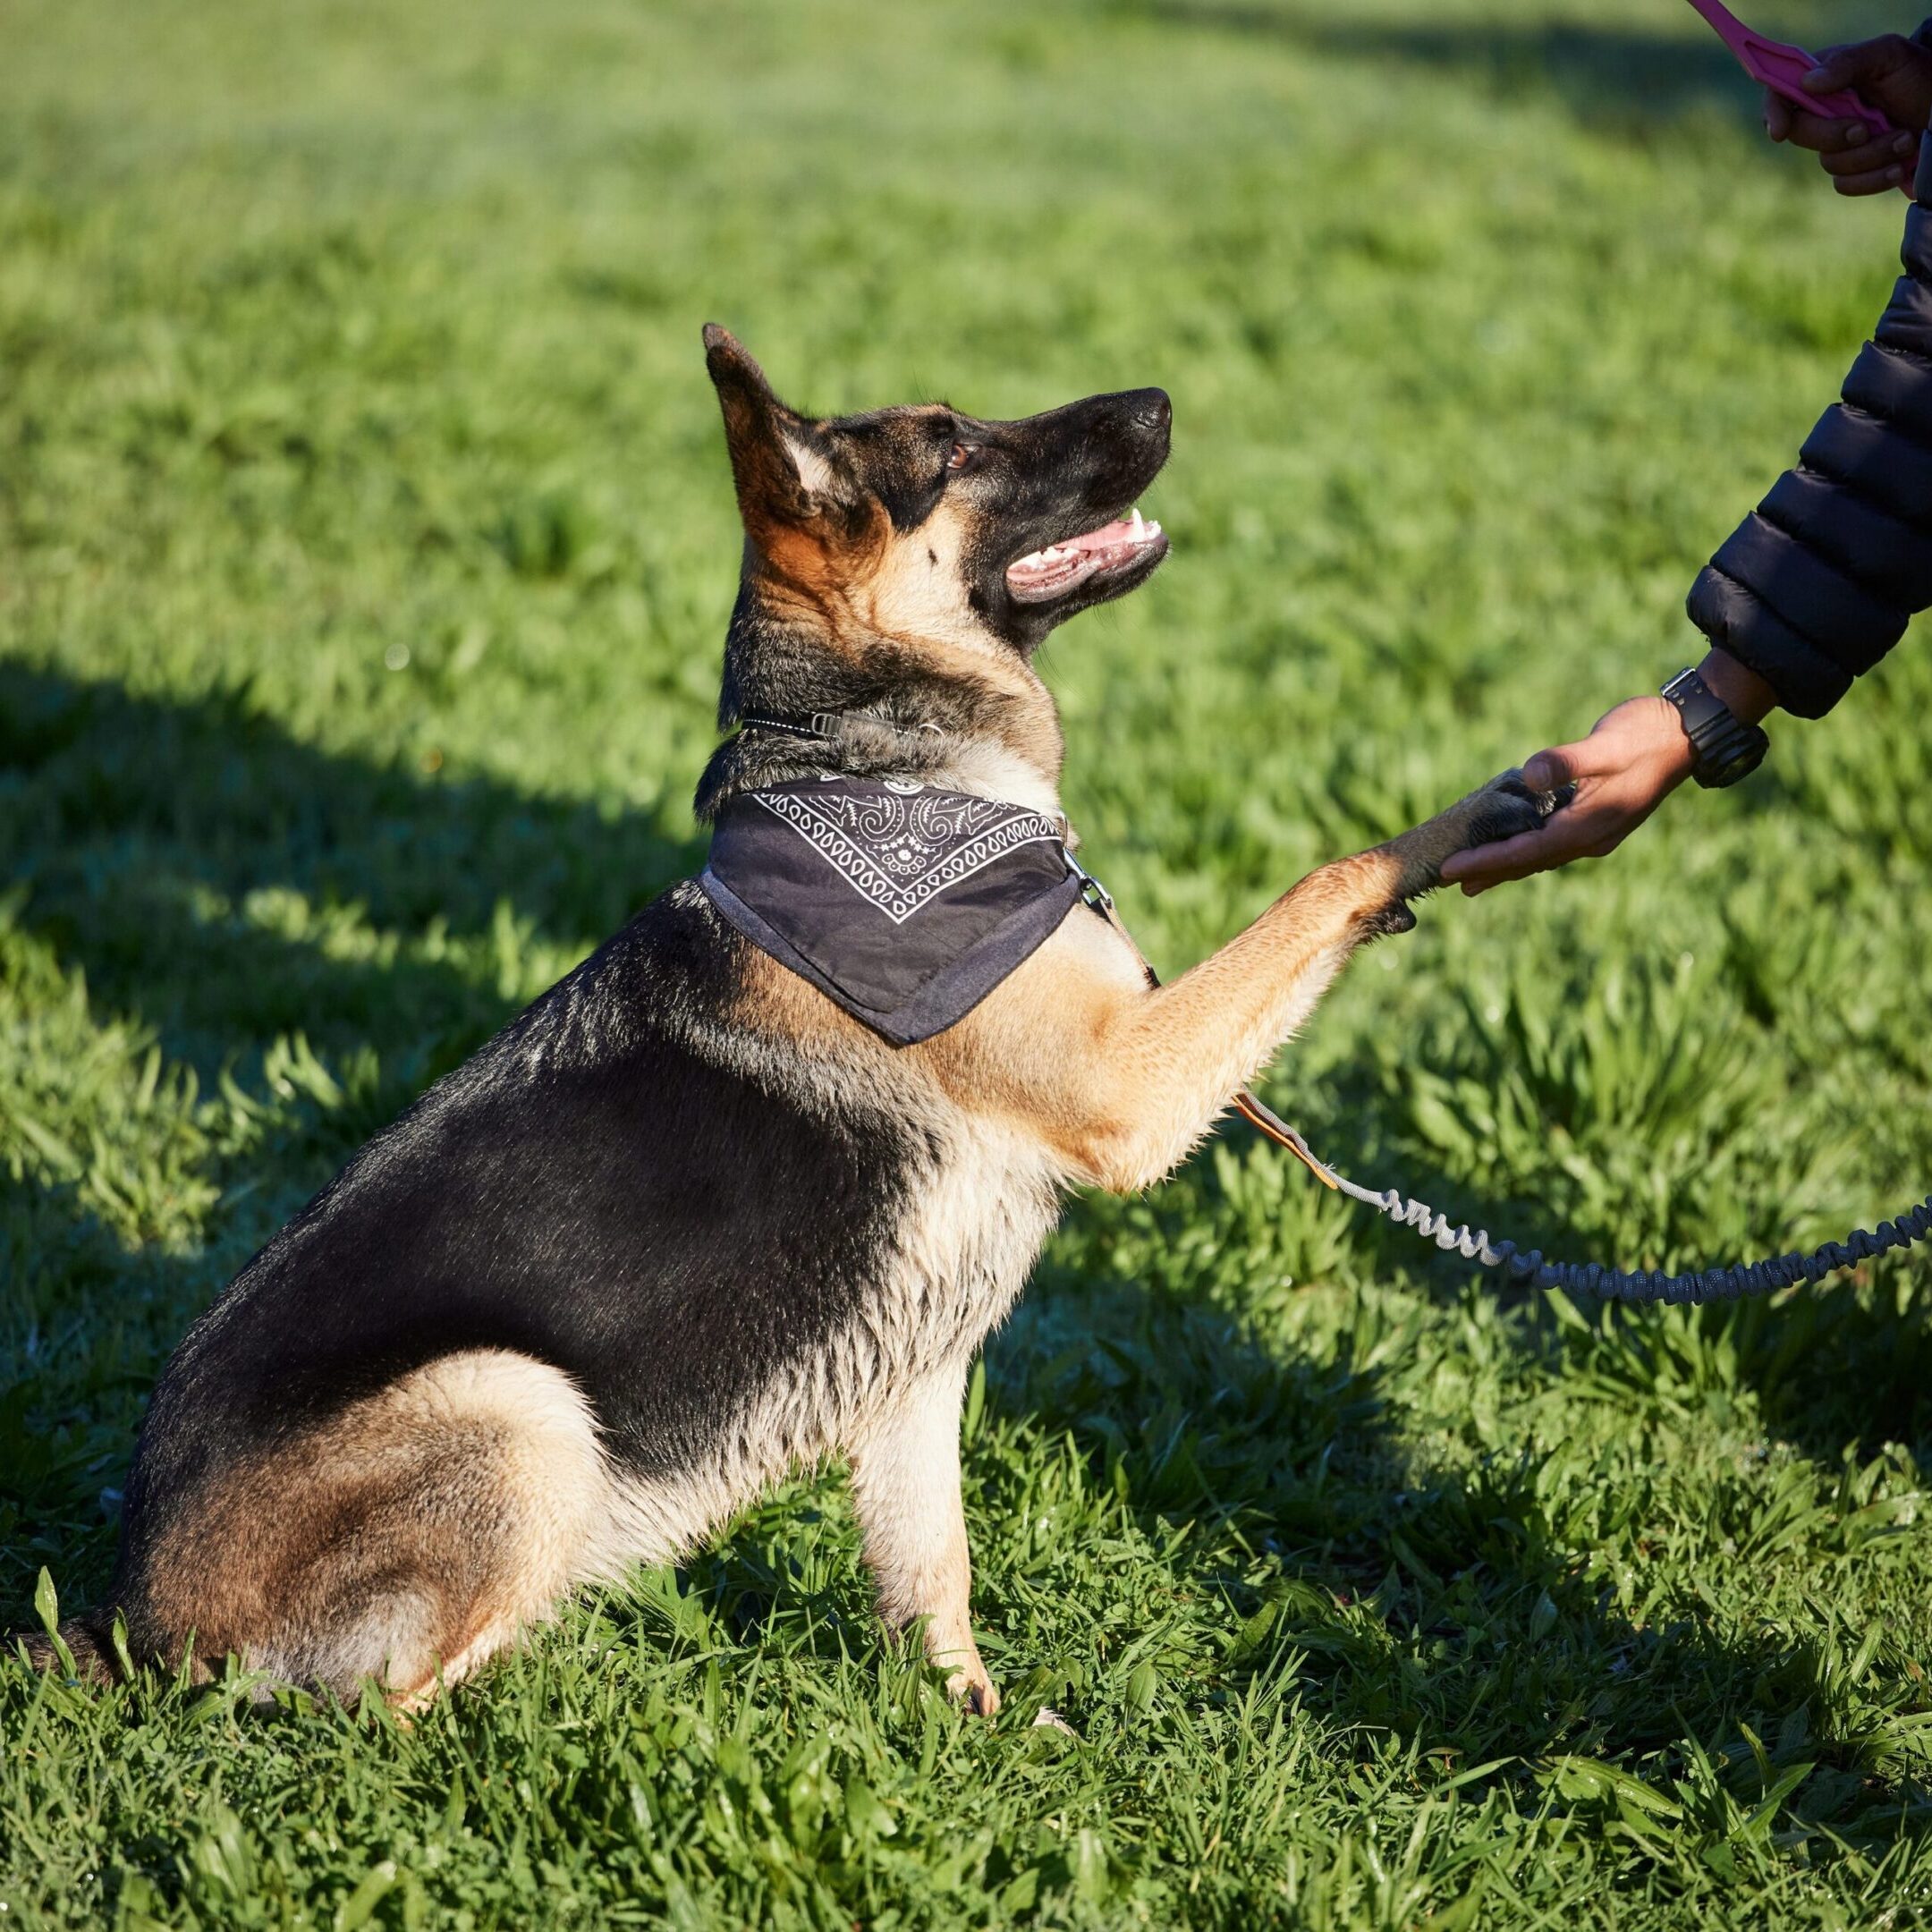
(365,551)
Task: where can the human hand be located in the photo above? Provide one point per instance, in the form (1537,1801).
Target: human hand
(1636,756)
(1634,759)
(1895,75)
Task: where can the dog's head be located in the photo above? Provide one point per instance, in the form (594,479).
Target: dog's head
(933,533)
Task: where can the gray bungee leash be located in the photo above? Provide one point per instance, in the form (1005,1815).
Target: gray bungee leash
(1592,1277)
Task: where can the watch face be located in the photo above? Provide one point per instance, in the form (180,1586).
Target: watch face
(1739,765)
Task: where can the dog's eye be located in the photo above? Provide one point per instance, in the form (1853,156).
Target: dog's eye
(962,453)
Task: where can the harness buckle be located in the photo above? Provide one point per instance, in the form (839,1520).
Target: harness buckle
(1091,890)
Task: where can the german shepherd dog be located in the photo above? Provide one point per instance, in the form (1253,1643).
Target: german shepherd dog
(684,1224)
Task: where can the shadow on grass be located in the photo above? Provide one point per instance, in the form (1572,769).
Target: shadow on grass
(1446,1608)
(209,874)
(1606,74)
(87,1329)
(162,846)
(1842,1368)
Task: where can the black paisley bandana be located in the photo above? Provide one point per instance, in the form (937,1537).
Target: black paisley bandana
(907,906)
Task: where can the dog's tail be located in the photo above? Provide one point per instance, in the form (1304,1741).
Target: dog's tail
(88,1645)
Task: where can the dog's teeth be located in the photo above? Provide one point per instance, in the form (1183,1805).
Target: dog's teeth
(1138,525)
(1153,530)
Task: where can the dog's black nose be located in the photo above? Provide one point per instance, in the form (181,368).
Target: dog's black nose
(1150,407)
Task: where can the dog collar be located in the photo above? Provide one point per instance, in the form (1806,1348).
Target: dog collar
(904,905)
(823,726)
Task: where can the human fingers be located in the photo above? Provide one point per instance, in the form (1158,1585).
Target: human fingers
(1633,756)
(1608,748)
(1571,833)
(1551,770)
(1875,182)
(1777,116)
(1822,134)
(1857,62)
(1484,866)
(1894,73)
(1873,155)
(1561,836)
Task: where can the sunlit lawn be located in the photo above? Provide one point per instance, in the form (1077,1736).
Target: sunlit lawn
(365,550)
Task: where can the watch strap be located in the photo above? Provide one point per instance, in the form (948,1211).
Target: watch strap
(1723,746)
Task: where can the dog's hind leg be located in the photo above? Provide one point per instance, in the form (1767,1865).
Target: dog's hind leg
(405,1541)
(905,1475)
(500,1502)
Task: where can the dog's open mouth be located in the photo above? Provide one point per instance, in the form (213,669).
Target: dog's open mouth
(1059,568)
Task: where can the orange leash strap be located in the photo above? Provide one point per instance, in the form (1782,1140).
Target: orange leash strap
(1283,1135)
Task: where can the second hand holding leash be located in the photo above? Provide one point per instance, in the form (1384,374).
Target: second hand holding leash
(1781,67)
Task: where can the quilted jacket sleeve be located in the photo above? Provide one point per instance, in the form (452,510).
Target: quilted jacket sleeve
(1818,582)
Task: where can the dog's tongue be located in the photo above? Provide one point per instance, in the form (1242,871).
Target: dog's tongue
(1112,535)
(1063,560)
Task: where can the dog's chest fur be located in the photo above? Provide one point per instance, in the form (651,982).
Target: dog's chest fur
(966,1205)
(948,1266)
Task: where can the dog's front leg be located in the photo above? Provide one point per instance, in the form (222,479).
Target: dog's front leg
(906,1487)
(1169,1059)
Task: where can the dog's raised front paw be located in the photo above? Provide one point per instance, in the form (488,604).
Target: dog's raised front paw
(1501,810)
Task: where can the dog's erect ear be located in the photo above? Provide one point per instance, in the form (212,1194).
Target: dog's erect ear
(783,473)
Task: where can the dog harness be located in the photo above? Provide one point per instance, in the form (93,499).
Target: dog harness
(904,905)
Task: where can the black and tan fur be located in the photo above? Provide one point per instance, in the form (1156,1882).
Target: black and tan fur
(684,1224)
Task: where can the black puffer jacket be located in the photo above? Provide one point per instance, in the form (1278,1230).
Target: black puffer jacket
(1818,582)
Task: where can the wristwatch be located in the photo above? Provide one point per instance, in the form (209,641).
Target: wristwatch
(1726,749)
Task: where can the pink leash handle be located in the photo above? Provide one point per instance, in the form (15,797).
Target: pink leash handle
(1781,67)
